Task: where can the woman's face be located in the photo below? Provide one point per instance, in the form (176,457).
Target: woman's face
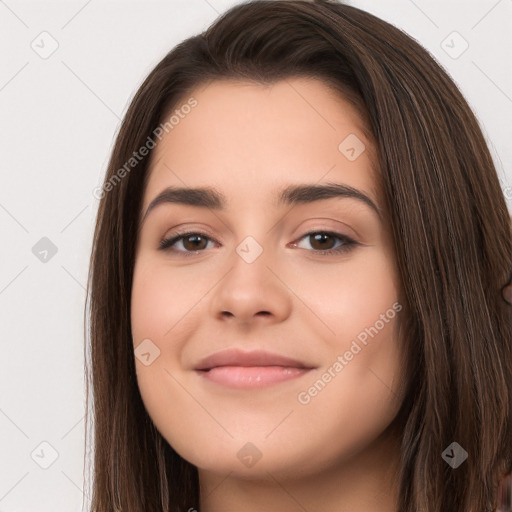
(306,275)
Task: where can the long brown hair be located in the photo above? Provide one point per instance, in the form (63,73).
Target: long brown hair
(452,235)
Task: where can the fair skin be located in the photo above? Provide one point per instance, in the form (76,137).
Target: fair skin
(331,449)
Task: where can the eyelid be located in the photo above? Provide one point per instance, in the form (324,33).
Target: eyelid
(189,230)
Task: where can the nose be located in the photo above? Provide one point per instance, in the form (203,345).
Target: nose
(251,291)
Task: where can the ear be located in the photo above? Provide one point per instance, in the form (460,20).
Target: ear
(506,293)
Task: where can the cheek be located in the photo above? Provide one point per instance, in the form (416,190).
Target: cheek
(150,300)
(162,299)
(154,312)
(345,299)
(356,308)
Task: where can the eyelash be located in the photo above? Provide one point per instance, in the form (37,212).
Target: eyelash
(167,243)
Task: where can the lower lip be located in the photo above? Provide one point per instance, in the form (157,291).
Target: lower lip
(249,377)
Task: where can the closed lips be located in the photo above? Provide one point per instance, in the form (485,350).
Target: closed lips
(235,357)
(237,369)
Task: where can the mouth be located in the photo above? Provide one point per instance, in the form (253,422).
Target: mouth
(248,377)
(249,370)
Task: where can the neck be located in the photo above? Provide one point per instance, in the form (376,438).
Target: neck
(364,482)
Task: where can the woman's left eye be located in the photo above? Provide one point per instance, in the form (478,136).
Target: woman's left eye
(194,242)
(320,237)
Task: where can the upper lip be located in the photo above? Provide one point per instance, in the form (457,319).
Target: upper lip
(235,357)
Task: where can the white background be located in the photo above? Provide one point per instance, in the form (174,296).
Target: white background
(59,117)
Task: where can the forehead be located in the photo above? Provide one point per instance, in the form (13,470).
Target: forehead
(249,139)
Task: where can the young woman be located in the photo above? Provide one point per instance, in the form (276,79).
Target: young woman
(297,278)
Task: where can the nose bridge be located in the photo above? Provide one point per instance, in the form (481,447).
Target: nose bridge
(249,263)
(250,250)
(249,286)
(256,248)
(253,246)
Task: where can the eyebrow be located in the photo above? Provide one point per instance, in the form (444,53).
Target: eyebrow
(208,197)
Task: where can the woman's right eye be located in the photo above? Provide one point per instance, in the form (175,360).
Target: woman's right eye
(195,246)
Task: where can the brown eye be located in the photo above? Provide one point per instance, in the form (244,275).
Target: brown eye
(191,242)
(322,242)
(194,242)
